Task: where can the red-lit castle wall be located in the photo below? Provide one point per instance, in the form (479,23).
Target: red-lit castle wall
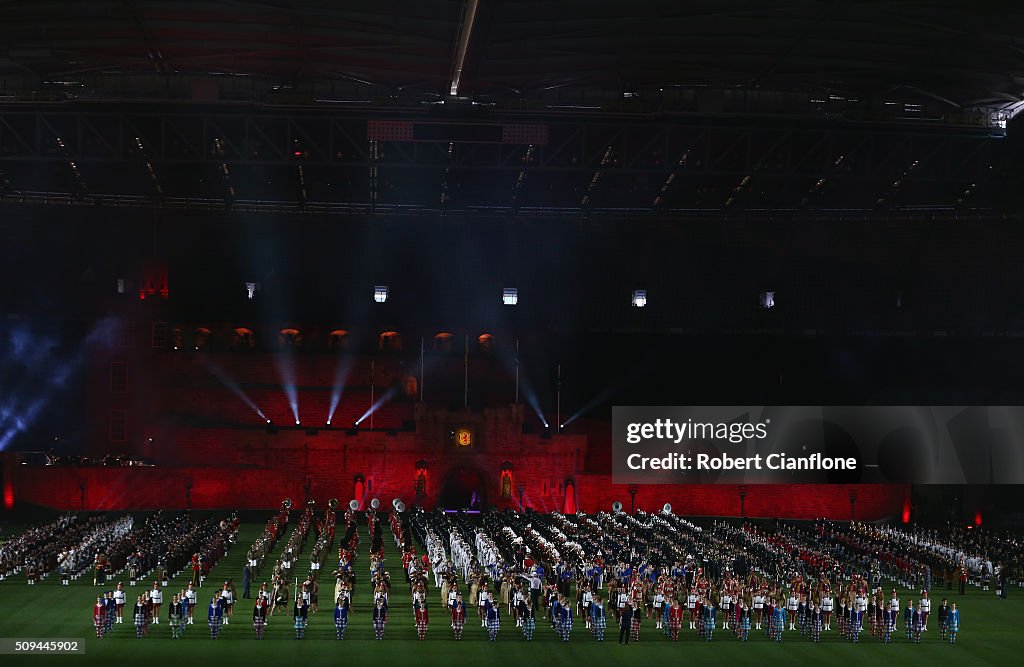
(210,449)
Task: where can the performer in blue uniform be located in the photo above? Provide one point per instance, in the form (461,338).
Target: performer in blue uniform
(215,617)
(380,618)
(598,618)
(953,623)
(341,616)
(566,623)
(493,619)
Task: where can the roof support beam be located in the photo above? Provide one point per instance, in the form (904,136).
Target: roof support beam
(462,46)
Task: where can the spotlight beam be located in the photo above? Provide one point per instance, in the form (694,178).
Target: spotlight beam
(286,367)
(592,403)
(384,398)
(341,373)
(34,373)
(234,387)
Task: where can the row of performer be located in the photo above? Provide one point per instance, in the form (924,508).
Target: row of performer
(704,617)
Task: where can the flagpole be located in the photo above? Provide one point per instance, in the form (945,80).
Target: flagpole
(421,369)
(465,394)
(558,401)
(517,371)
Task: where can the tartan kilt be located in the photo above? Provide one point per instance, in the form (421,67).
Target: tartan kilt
(600,623)
(494,625)
(340,624)
(379,623)
(300,623)
(98,622)
(216,622)
(567,624)
(458,625)
(175,619)
(953,626)
(140,619)
(529,624)
(421,625)
(259,624)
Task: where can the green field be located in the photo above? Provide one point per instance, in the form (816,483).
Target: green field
(989,634)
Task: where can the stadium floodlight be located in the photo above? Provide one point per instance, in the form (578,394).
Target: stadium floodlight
(510,296)
(380,293)
(767,300)
(639,298)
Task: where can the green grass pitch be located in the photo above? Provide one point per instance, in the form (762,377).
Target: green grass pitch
(990,634)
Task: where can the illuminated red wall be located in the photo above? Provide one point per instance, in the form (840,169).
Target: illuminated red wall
(181,418)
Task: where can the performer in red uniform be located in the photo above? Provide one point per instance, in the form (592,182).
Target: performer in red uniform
(99,615)
(675,619)
(458,616)
(420,611)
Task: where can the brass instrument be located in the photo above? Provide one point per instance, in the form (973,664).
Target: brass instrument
(286,504)
(333,503)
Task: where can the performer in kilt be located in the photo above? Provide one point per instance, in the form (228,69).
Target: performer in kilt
(953,623)
(527,618)
(419,609)
(675,619)
(635,625)
(301,616)
(380,618)
(458,616)
(259,616)
(341,616)
(918,622)
(889,623)
(817,622)
(492,617)
(709,613)
(215,617)
(803,617)
(110,612)
(566,624)
(174,616)
(744,624)
(99,613)
(908,619)
(943,618)
(141,615)
(598,618)
(778,624)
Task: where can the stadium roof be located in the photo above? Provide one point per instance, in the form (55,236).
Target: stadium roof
(533,106)
(958,55)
